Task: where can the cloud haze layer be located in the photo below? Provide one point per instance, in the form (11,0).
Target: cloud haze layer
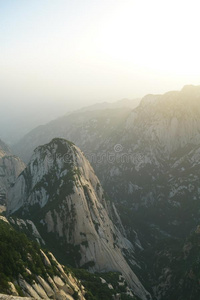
(61,55)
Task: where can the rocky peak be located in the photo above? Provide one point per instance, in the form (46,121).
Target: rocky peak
(168,121)
(191,89)
(60,192)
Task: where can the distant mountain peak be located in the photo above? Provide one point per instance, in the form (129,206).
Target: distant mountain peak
(190,88)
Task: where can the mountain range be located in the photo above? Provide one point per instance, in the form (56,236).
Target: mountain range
(141,217)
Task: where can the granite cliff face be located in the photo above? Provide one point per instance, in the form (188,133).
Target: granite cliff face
(60,192)
(10,167)
(169,122)
(157,136)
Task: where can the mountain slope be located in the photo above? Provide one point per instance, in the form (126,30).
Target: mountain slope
(158,145)
(26,270)
(123,103)
(59,191)
(155,179)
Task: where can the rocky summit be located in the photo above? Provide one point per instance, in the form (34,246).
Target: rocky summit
(60,193)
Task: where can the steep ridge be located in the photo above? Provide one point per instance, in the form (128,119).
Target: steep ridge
(158,136)
(123,103)
(60,192)
(10,167)
(170,121)
(155,179)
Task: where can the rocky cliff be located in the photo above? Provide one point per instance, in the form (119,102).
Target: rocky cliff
(10,167)
(60,192)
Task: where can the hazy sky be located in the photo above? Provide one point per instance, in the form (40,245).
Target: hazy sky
(62,54)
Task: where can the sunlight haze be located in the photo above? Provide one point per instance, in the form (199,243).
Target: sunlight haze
(58,56)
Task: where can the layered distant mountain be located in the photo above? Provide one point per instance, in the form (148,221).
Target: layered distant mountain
(170,121)
(124,103)
(25,117)
(88,129)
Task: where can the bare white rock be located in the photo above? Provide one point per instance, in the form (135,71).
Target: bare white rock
(100,241)
(45,286)
(28,288)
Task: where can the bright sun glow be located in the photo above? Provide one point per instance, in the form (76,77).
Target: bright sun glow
(97,50)
(161,35)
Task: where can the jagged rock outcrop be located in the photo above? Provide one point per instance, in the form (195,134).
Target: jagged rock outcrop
(33,273)
(28,227)
(60,192)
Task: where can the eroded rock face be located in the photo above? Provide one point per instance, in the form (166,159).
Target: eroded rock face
(39,274)
(61,286)
(10,167)
(60,192)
